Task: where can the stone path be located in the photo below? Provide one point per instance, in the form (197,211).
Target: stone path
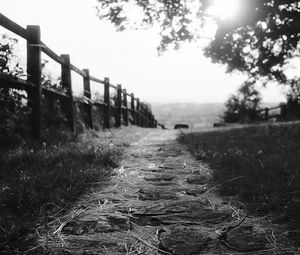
(158,202)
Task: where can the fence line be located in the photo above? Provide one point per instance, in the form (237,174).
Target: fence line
(284,111)
(140,113)
(266,112)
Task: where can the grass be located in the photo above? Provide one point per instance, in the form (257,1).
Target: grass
(266,158)
(41,181)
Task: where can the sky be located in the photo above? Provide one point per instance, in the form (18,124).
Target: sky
(129,58)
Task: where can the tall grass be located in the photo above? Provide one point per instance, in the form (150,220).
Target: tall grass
(43,180)
(266,158)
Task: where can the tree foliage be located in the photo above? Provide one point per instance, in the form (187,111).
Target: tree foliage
(12,107)
(259,41)
(242,107)
(8,60)
(174,17)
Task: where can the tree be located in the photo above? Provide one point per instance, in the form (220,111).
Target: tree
(243,106)
(259,41)
(291,110)
(173,16)
(294,91)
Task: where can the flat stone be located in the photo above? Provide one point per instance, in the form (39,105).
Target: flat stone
(205,216)
(118,221)
(145,220)
(163,183)
(159,178)
(245,238)
(153,170)
(181,212)
(192,212)
(197,179)
(156,194)
(78,227)
(169,154)
(183,241)
(107,223)
(171,166)
(196,172)
(196,191)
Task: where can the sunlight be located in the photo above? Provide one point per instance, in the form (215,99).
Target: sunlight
(224,9)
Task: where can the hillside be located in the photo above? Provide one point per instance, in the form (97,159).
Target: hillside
(196,115)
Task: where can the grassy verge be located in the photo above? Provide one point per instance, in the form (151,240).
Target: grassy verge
(44,180)
(266,160)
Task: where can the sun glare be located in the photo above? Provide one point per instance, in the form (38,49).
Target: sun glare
(225,9)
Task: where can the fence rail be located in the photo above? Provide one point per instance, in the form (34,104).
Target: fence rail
(285,111)
(140,113)
(266,113)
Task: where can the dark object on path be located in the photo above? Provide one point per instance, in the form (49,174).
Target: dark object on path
(219,125)
(181,126)
(161,125)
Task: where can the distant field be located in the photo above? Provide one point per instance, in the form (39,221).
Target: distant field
(265,160)
(197,116)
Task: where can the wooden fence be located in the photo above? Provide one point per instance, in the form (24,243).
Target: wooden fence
(140,113)
(284,112)
(271,113)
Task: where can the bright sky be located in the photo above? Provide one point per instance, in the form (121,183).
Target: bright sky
(130,57)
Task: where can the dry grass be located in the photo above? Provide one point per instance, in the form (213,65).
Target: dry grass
(264,160)
(38,183)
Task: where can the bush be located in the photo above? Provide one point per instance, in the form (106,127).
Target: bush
(14,106)
(13,110)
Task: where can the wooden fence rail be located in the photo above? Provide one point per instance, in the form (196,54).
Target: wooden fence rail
(266,113)
(140,113)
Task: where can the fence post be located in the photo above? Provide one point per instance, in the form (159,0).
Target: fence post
(34,73)
(87,93)
(146,116)
(267,114)
(138,113)
(151,120)
(132,109)
(282,111)
(125,110)
(119,106)
(142,115)
(107,102)
(66,81)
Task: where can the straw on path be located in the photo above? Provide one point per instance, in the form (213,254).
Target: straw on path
(149,205)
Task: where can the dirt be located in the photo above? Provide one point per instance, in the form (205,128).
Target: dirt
(160,201)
